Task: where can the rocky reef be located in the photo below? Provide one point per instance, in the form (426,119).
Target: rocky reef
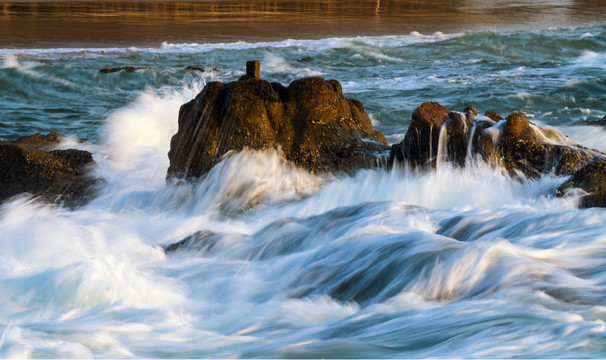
(318,129)
(438,134)
(515,144)
(32,165)
(311,121)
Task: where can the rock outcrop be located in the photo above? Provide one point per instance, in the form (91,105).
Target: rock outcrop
(438,134)
(518,145)
(31,165)
(318,129)
(315,126)
(432,122)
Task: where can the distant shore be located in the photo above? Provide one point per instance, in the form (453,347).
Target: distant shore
(76,23)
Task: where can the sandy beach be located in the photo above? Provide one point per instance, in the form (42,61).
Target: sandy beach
(35,24)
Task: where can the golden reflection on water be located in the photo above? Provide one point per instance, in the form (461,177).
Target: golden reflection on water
(25,24)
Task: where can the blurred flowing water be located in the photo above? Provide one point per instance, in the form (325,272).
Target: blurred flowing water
(458,262)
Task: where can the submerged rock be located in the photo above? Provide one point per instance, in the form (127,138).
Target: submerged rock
(30,165)
(315,126)
(201,241)
(116,69)
(195,68)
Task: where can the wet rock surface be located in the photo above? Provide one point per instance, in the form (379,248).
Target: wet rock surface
(438,134)
(201,241)
(315,126)
(592,179)
(523,147)
(31,165)
(320,130)
(420,144)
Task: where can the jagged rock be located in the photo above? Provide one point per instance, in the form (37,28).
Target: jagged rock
(515,144)
(30,165)
(315,126)
(493,115)
(470,114)
(592,179)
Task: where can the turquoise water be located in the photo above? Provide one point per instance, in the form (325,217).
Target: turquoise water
(555,75)
(458,262)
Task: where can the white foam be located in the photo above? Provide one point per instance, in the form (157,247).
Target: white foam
(589,136)
(187,48)
(591,59)
(273,63)
(10,61)
(248,179)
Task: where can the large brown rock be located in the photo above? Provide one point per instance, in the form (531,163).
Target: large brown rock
(592,179)
(315,126)
(30,165)
(421,144)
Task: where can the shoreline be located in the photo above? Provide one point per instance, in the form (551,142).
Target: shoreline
(86,24)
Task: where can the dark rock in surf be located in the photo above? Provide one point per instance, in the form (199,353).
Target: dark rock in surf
(201,241)
(493,115)
(315,126)
(457,132)
(31,165)
(422,140)
(599,122)
(516,144)
(420,143)
(195,68)
(116,69)
(592,179)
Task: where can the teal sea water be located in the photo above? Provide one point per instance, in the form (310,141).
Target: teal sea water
(458,262)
